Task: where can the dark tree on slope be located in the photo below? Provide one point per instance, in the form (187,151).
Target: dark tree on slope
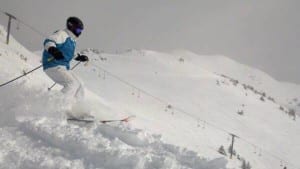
(240,112)
(245,165)
(271,99)
(222,151)
(181,59)
(292,113)
(248,166)
(281,108)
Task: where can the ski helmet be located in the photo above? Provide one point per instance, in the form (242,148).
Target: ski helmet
(75,25)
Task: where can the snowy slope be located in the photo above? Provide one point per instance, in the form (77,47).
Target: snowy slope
(180,100)
(284,92)
(34,134)
(201,93)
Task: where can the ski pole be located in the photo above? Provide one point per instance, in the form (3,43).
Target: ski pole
(25,73)
(49,88)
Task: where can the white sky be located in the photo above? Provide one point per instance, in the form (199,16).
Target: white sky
(261,33)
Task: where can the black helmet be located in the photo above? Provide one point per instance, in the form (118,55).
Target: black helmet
(75,25)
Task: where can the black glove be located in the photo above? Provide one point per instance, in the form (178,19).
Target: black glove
(55,53)
(82,58)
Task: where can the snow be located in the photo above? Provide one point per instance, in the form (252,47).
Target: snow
(113,146)
(286,93)
(185,105)
(193,89)
(20,151)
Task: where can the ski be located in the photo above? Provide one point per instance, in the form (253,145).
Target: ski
(80,120)
(126,119)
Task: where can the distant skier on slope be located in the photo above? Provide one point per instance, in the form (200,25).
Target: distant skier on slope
(59,50)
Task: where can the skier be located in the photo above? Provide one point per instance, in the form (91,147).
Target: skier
(59,50)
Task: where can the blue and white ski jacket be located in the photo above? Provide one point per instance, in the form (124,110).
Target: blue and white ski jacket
(63,40)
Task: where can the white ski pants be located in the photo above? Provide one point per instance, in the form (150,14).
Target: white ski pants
(72,87)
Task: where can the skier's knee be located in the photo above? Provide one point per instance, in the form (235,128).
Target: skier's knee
(70,87)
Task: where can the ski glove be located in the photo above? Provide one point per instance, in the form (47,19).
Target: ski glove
(55,53)
(82,58)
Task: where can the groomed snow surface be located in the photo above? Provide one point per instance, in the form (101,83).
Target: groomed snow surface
(182,103)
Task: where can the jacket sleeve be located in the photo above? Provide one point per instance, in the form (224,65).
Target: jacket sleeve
(57,37)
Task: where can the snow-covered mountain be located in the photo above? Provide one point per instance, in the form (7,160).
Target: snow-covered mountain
(284,93)
(185,106)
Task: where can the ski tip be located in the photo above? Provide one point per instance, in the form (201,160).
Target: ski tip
(127,119)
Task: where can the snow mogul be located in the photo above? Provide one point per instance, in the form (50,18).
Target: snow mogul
(59,50)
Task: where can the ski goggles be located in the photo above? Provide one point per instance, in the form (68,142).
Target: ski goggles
(78,30)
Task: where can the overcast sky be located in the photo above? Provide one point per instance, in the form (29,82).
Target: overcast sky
(261,33)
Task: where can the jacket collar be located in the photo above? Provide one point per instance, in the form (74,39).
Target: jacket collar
(71,34)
